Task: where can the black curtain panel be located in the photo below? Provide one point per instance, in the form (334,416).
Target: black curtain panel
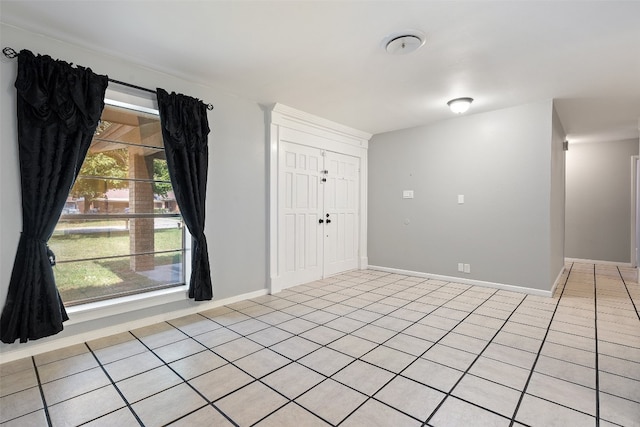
(58,110)
(185,129)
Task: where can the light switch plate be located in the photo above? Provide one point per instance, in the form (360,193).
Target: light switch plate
(460,199)
(407,194)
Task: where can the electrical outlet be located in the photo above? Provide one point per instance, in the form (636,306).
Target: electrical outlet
(460,267)
(467,268)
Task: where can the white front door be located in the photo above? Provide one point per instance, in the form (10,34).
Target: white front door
(318,198)
(341,202)
(300,209)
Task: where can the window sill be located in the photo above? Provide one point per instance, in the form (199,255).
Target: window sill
(115,306)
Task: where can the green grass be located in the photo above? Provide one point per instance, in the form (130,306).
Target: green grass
(94,279)
(69,247)
(68,224)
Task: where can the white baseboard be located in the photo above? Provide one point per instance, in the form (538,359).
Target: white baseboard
(558,280)
(512,288)
(595,261)
(32,350)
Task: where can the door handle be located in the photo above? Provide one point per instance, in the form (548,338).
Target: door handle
(320,221)
(328,221)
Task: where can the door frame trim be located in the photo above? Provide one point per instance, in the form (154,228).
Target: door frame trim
(323,134)
(634,210)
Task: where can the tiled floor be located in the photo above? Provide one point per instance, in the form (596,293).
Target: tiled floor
(365,348)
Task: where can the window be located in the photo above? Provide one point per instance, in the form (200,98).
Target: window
(120,231)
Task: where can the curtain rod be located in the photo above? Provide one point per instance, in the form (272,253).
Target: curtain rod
(11,54)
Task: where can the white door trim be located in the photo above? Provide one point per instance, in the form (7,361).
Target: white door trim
(289,124)
(634,210)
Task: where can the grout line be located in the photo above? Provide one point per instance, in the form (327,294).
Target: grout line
(474,361)
(326,346)
(526,385)
(381,290)
(397,374)
(44,400)
(182,378)
(126,401)
(350,334)
(628,293)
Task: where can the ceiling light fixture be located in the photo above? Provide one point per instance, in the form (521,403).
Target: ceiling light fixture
(460,105)
(403,42)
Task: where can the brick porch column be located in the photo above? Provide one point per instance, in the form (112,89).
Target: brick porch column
(141,230)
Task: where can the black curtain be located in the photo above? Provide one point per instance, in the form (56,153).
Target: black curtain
(58,111)
(185,129)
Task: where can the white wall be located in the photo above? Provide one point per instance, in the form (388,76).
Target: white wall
(236,193)
(501,162)
(598,218)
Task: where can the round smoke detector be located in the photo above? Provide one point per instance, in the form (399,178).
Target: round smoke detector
(403,42)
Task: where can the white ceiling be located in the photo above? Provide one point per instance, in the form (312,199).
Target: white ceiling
(326,58)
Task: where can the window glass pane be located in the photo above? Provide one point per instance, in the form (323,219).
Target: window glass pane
(92,195)
(84,281)
(120,231)
(123,125)
(80,239)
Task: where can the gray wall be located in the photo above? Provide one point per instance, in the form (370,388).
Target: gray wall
(236,193)
(501,162)
(598,218)
(557,208)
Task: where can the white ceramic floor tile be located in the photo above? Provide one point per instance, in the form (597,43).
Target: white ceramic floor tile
(388,358)
(500,372)
(563,392)
(292,415)
(450,356)
(376,414)
(534,411)
(433,374)
(261,363)
(74,385)
(326,361)
(251,403)
(20,403)
(410,397)
(121,417)
(364,377)
(454,413)
(86,407)
(205,417)
(391,322)
(621,411)
(293,380)
(167,406)
(331,400)
(148,383)
(295,347)
(197,364)
(487,394)
(219,382)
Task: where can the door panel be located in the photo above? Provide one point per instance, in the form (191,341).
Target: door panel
(341,203)
(300,235)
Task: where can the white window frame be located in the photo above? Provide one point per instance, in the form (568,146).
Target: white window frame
(85,312)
